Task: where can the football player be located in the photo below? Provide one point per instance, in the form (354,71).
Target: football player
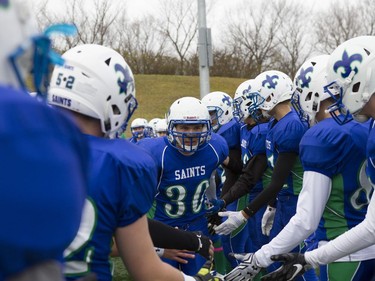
(220,107)
(352,88)
(273,98)
(43,158)
(96,86)
(185,160)
(140,129)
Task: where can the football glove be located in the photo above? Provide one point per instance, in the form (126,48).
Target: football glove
(204,245)
(246,270)
(213,221)
(267,220)
(235,219)
(214,206)
(294,265)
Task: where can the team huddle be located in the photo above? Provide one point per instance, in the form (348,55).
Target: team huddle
(278,178)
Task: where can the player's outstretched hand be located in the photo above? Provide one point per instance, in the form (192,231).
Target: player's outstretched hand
(205,248)
(294,265)
(213,220)
(246,270)
(235,219)
(267,220)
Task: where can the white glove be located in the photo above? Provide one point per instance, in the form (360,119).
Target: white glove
(246,270)
(235,219)
(267,220)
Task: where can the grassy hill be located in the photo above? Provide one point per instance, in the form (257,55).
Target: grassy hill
(155,93)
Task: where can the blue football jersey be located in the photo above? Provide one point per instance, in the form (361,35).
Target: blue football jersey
(121,189)
(42,181)
(183,180)
(339,152)
(284,136)
(370,152)
(253,142)
(231,133)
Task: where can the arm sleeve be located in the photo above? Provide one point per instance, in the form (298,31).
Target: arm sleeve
(232,170)
(283,166)
(211,190)
(310,207)
(235,161)
(165,236)
(357,238)
(250,176)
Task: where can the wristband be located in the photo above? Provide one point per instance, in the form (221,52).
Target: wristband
(159,251)
(248,211)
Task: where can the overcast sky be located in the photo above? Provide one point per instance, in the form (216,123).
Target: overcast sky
(219,9)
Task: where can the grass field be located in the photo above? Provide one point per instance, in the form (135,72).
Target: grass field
(120,273)
(155,93)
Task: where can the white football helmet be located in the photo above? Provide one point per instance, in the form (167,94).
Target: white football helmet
(188,111)
(310,80)
(95,81)
(274,88)
(152,124)
(24,51)
(345,64)
(220,106)
(363,87)
(161,128)
(139,128)
(243,89)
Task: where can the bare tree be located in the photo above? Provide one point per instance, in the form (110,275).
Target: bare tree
(179,25)
(340,22)
(141,43)
(293,38)
(93,19)
(252,33)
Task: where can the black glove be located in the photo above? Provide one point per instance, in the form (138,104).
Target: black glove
(294,265)
(204,273)
(204,245)
(213,220)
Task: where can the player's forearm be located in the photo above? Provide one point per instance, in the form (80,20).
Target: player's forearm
(235,162)
(310,207)
(252,173)
(165,236)
(283,166)
(357,238)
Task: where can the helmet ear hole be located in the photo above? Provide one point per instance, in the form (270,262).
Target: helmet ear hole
(115,109)
(308,96)
(355,87)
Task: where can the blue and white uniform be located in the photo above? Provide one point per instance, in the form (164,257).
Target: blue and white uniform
(121,190)
(42,181)
(182,182)
(335,187)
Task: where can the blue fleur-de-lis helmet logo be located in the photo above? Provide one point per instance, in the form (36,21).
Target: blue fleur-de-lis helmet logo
(346,64)
(226,100)
(303,78)
(271,81)
(247,90)
(123,83)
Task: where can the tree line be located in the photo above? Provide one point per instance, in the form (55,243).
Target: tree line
(255,36)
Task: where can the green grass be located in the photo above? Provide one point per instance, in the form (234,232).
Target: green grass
(120,273)
(155,93)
